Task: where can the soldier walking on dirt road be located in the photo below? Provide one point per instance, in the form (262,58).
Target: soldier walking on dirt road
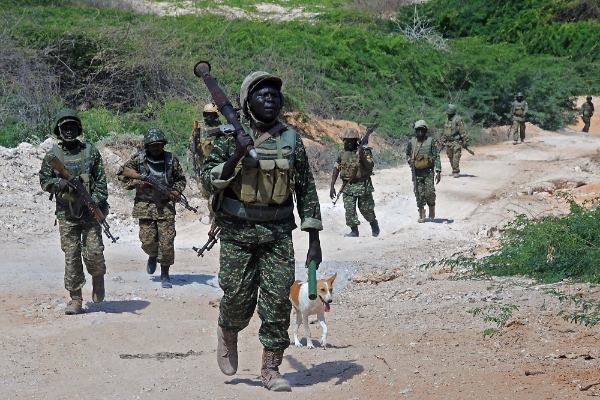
(423,156)
(80,235)
(255,214)
(587,111)
(518,113)
(155,210)
(203,141)
(355,165)
(455,138)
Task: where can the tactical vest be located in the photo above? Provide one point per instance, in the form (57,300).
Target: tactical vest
(450,132)
(587,109)
(270,179)
(79,166)
(350,162)
(519,108)
(422,153)
(161,169)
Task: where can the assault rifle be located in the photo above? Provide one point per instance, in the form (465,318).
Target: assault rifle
(509,131)
(213,238)
(202,70)
(83,197)
(464,146)
(363,143)
(160,187)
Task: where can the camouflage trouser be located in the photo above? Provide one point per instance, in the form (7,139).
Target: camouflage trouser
(425,189)
(158,239)
(453,150)
(366,206)
(246,268)
(77,239)
(518,128)
(586,122)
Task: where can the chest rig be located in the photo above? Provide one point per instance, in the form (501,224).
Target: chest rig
(350,162)
(161,169)
(79,166)
(450,131)
(422,153)
(519,108)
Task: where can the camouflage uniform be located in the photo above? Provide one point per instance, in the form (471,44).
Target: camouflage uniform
(357,191)
(157,222)
(454,137)
(80,236)
(259,254)
(518,112)
(587,111)
(425,188)
(203,145)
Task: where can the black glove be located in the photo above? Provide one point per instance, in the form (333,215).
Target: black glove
(63,184)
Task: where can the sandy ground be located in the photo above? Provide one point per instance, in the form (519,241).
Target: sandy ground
(407,337)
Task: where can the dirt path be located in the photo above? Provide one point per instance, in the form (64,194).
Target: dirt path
(409,337)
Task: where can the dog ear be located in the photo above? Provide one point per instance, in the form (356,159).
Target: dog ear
(330,280)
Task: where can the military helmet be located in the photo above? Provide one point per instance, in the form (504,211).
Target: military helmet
(451,109)
(421,124)
(350,133)
(520,94)
(250,83)
(588,98)
(210,108)
(66,116)
(154,135)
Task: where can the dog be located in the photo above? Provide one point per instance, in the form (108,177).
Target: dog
(305,307)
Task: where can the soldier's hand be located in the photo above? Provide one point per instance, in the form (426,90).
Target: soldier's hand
(145,185)
(332,193)
(438,177)
(63,184)
(174,196)
(241,144)
(314,248)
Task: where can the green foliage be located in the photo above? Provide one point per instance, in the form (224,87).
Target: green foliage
(563,28)
(587,311)
(497,314)
(549,249)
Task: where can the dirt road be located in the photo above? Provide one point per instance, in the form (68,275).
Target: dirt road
(407,337)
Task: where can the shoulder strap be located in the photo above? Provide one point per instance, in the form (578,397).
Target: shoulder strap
(58,153)
(276,129)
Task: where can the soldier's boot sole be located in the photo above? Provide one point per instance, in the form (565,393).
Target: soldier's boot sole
(75,306)
(271,378)
(98,291)
(151,265)
(227,354)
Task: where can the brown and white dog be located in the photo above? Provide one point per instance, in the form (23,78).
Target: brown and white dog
(305,307)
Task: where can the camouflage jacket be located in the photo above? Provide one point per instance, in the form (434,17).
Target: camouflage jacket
(434,151)
(589,107)
(236,229)
(146,209)
(49,179)
(361,188)
(454,129)
(519,106)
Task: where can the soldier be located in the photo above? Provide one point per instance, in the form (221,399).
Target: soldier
(203,141)
(423,155)
(355,165)
(80,235)
(254,209)
(455,138)
(518,112)
(154,210)
(587,111)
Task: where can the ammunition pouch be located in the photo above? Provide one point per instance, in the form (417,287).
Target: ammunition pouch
(255,212)
(519,112)
(423,161)
(586,113)
(264,181)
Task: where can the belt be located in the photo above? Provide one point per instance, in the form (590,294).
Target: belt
(253,212)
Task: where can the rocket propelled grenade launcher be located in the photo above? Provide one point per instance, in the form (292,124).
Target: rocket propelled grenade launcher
(312,280)
(202,70)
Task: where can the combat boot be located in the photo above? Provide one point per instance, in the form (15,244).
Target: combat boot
(151,265)
(76,303)
(456,175)
(522,140)
(421,215)
(374,228)
(353,232)
(431,213)
(227,354)
(98,288)
(165,279)
(515,142)
(271,378)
